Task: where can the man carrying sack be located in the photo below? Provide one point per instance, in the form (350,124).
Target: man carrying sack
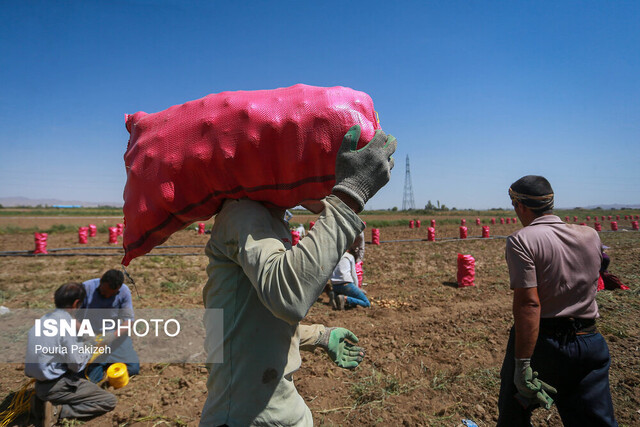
(265,287)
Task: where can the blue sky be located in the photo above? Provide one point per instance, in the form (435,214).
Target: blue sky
(478,93)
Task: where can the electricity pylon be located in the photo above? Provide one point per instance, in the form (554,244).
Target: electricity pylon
(407,199)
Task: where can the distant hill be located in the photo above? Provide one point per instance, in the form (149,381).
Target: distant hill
(10,202)
(615,206)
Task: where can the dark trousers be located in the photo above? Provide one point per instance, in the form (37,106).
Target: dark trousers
(578,367)
(79,398)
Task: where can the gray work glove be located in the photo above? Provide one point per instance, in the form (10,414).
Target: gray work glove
(361,173)
(529,386)
(341,352)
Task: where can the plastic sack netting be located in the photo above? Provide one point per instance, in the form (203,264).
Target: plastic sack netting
(375,236)
(359,273)
(431,234)
(41,243)
(83,233)
(276,146)
(113,235)
(466,270)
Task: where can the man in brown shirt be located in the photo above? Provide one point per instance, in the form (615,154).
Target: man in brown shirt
(553,269)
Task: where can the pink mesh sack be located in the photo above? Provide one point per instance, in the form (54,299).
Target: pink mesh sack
(41,243)
(295,237)
(466,270)
(83,233)
(359,273)
(113,235)
(375,236)
(431,234)
(276,146)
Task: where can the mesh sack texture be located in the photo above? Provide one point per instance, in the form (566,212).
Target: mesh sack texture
(276,146)
(466,270)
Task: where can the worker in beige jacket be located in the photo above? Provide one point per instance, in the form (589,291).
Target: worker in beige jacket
(265,287)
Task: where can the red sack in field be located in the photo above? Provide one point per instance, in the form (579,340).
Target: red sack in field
(83,233)
(359,273)
(431,234)
(466,270)
(611,281)
(277,146)
(41,243)
(113,235)
(375,236)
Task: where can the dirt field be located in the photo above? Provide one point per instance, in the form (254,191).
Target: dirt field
(433,350)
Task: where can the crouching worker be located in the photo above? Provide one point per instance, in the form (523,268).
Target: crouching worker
(108,298)
(344,282)
(57,362)
(266,287)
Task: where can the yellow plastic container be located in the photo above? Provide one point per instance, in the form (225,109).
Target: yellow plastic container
(118,375)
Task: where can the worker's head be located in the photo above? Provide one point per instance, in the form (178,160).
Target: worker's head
(532,196)
(70,295)
(110,283)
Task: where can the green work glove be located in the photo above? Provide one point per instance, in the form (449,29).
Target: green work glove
(529,386)
(361,173)
(342,352)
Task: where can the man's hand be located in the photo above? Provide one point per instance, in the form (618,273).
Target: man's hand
(342,352)
(529,386)
(361,173)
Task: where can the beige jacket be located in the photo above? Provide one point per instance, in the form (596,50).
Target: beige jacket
(265,287)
